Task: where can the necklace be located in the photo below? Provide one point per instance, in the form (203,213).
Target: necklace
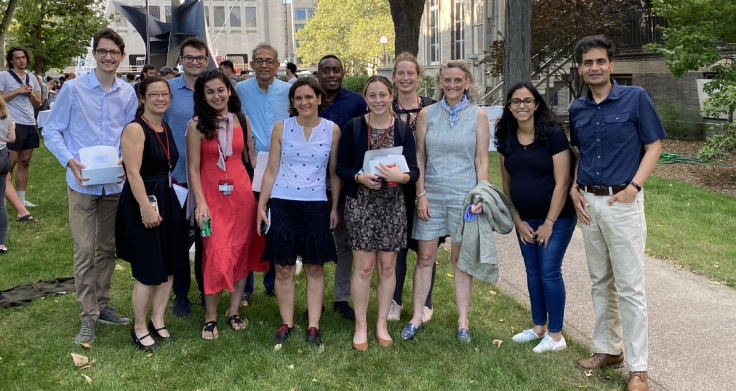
(384,133)
(460,114)
(413,124)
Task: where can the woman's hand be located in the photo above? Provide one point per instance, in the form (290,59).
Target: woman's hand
(334,218)
(392,174)
(544,232)
(202,211)
(477,208)
(370,181)
(423,209)
(261,218)
(526,233)
(151,218)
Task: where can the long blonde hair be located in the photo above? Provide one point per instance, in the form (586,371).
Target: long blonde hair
(3,109)
(471,92)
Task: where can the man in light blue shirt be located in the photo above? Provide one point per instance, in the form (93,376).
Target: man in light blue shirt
(194,59)
(264,98)
(91,111)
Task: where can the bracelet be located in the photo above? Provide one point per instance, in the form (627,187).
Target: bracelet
(553,221)
(636,186)
(423,193)
(356,178)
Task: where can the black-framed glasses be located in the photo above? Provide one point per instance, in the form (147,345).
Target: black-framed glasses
(526,101)
(260,61)
(113,53)
(211,72)
(190,59)
(156,95)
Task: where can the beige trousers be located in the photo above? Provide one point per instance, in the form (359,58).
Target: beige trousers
(614,246)
(92,222)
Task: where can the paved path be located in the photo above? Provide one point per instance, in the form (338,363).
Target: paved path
(692,323)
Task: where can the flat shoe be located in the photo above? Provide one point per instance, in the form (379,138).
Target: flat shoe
(463,335)
(209,327)
(361,347)
(150,348)
(27,218)
(158,335)
(410,331)
(236,320)
(384,342)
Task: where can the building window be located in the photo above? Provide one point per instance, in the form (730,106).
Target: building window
(300,13)
(250,19)
(434,32)
(154,11)
(298,27)
(310,12)
(167,13)
(458,29)
(235,18)
(219,16)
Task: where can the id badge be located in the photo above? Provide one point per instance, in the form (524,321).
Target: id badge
(225,186)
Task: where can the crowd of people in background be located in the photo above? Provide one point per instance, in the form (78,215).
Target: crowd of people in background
(203,128)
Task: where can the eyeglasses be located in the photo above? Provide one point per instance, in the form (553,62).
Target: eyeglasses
(113,53)
(516,102)
(156,95)
(191,59)
(260,61)
(212,72)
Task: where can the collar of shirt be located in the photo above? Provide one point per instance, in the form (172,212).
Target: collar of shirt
(94,83)
(612,95)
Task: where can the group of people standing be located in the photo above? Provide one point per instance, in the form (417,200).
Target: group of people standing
(202,133)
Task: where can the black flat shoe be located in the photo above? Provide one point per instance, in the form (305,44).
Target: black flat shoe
(150,348)
(158,335)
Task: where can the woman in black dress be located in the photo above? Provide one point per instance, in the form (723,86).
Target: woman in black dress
(149,230)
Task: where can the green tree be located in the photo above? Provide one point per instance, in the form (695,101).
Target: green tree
(702,33)
(9,6)
(349,29)
(55,31)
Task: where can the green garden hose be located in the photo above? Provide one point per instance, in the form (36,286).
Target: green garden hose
(674,157)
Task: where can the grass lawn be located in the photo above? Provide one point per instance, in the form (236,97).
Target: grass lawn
(36,341)
(686,225)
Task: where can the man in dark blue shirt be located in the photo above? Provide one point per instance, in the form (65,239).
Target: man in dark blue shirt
(345,106)
(618,133)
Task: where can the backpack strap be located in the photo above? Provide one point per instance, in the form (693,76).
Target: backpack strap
(356,131)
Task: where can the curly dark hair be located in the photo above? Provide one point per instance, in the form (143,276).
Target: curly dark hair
(207,117)
(9,55)
(544,121)
(318,90)
(143,88)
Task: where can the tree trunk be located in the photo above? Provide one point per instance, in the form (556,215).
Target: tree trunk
(407,17)
(4,25)
(517,62)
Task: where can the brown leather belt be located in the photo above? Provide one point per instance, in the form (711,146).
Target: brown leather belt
(603,190)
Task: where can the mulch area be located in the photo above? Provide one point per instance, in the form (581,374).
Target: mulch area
(719,179)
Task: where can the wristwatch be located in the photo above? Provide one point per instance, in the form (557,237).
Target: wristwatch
(636,186)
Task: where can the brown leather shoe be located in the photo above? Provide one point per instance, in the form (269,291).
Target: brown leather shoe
(600,360)
(638,381)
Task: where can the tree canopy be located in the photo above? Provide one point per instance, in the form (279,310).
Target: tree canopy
(55,31)
(349,29)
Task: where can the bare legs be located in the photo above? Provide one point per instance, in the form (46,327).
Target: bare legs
(361,290)
(142,298)
(10,193)
(211,302)
(463,289)
(284,287)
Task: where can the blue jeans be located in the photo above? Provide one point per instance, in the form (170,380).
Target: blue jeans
(268,280)
(544,272)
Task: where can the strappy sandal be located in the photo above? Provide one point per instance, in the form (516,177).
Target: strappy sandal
(235,320)
(27,219)
(209,327)
(245,300)
(158,335)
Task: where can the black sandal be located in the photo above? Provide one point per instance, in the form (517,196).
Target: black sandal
(237,320)
(150,348)
(245,299)
(158,335)
(209,327)
(27,218)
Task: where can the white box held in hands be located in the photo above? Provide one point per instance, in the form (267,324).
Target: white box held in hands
(101,162)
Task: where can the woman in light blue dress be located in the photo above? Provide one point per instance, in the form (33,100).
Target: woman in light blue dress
(452,139)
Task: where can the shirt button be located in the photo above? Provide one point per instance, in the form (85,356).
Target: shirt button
(597,173)
(598,140)
(597,123)
(599,157)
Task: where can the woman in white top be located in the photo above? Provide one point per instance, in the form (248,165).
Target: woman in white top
(7,135)
(299,219)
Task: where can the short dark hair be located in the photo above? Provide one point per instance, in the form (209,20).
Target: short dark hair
(318,90)
(49,78)
(9,55)
(143,88)
(193,42)
(593,42)
(291,67)
(145,69)
(228,64)
(319,64)
(62,78)
(130,76)
(110,34)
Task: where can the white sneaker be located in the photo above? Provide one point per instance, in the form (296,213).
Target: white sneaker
(395,312)
(28,204)
(526,336)
(427,314)
(548,344)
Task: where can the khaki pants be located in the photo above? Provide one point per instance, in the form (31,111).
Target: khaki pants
(614,247)
(92,222)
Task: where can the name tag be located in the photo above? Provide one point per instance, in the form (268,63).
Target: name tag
(225,186)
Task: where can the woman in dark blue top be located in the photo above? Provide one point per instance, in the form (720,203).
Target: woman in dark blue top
(535,167)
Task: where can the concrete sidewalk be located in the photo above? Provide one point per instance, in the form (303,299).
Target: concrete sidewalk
(692,323)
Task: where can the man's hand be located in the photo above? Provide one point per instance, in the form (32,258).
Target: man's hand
(77,168)
(627,196)
(120,163)
(26,90)
(580,204)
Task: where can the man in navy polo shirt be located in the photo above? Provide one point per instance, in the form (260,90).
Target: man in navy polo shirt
(345,106)
(618,133)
